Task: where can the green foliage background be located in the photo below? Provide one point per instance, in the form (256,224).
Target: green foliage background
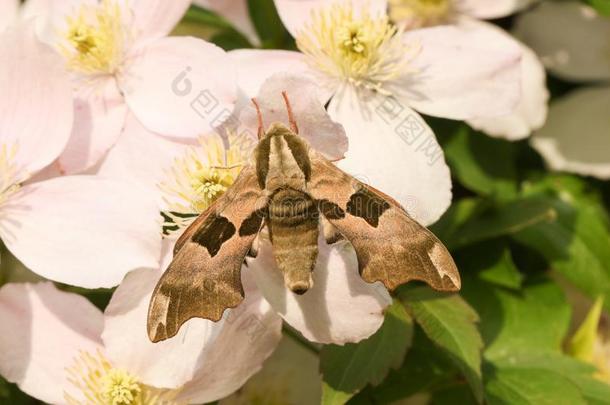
(519,235)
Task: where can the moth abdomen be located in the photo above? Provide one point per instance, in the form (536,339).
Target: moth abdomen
(293,224)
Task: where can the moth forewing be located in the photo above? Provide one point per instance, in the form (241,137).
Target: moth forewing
(391,247)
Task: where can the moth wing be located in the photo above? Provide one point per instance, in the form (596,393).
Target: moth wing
(204,278)
(391,246)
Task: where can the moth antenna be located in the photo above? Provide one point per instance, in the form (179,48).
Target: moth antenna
(259,115)
(291,120)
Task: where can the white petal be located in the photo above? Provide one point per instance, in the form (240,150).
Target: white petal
(296,14)
(168,364)
(339,308)
(82,230)
(155,18)
(36,100)
(142,157)
(576,137)
(8,12)
(570,38)
(43,331)
(532,109)
(395,151)
(255,66)
(250,333)
(462,71)
(99,117)
(236,12)
(313,122)
(491,9)
(180,86)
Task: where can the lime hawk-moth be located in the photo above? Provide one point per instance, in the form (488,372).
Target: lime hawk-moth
(294,191)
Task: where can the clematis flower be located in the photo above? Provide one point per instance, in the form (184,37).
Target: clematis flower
(531,111)
(576,136)
(81,230)
(376,76)
(340,307)
(63,350)
(121,61)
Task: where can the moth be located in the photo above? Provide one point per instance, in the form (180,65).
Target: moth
(296,193)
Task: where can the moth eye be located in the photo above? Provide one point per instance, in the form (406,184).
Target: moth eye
(216,231)
(367,206)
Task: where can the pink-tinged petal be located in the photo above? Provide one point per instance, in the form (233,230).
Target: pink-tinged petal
(532,109)
(36,101)
(255,66)
(395,151)
(576,135)
(572,40)
(250,333)
(99,117)
(82,230)
(44,331)
(142,157)
(314,123)
(8,12)
(463,71)
(51,16)
(155,18)
(339,308)
(167,364)
(296,14)
(180,86)
(491,9)
(236,12)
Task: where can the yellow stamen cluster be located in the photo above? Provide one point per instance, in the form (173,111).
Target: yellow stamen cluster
(420,13)
(202,175)
(95,39)
(10,175)
(99,383)
(365,50)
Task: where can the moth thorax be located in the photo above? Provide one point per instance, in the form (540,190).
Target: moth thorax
(293,226)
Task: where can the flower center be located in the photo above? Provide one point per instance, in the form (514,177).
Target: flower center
(10,175)
(419,13)
(101,384)
(365,50)
(200,177)
(120,388)
(95,39)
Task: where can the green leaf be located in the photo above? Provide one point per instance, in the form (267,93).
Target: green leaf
(556,366)
(474,160)
(450,323)
(602,6)
(230,39)
(512,321)
(576,245)
(268,24)
(493,262)
(347,369)
(501,220)
(516,385)
(425,368)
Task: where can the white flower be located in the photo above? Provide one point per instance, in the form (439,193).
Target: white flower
(80,230)
(376,75)
(121,61)
(576,137)
(63,350)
